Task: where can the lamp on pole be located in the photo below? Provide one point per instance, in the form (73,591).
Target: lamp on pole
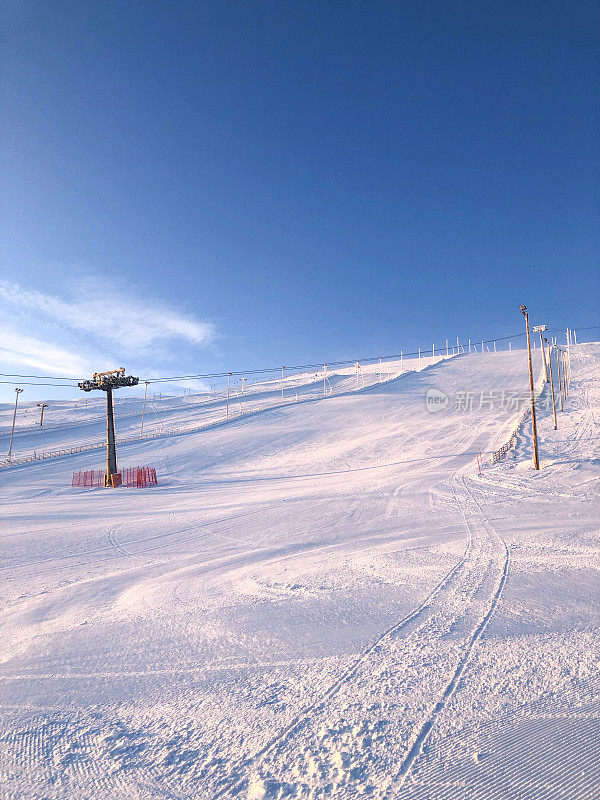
(551,382)
(536,460)
(12,433)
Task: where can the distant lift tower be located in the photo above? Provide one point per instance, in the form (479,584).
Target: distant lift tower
(106,382)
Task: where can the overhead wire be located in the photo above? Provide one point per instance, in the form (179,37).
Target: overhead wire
(265,370)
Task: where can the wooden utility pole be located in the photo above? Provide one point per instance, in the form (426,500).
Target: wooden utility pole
(12,433)
(536,459)
(552,383)
(42,406)
(228,383)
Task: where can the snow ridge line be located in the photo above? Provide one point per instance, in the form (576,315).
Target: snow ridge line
(423,735)
(346,675)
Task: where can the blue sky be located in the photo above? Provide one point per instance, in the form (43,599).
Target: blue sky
(196,187)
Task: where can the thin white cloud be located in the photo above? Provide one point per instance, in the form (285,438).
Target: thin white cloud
(188,386)
(113,315)
(27,351)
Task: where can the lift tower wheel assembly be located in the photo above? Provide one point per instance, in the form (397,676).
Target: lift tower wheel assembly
(106,382)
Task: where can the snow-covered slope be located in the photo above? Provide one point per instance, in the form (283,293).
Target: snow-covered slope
(82,422)
(324,599)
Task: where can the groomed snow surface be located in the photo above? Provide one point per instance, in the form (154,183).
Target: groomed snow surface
(320,600)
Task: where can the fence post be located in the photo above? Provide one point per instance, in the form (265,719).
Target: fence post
(560,382)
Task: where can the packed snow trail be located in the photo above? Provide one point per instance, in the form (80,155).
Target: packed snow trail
(314,602)
(526,722)
(333,738)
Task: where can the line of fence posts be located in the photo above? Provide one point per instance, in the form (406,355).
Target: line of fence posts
(568,357)
(560,389)
(552,384)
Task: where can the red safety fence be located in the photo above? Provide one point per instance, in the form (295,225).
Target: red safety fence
(139,476)
(130,476)
(89,477)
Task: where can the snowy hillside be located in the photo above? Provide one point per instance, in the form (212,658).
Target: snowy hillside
(82,422)
(323,599)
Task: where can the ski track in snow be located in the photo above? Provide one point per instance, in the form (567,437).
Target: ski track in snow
(477,580)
